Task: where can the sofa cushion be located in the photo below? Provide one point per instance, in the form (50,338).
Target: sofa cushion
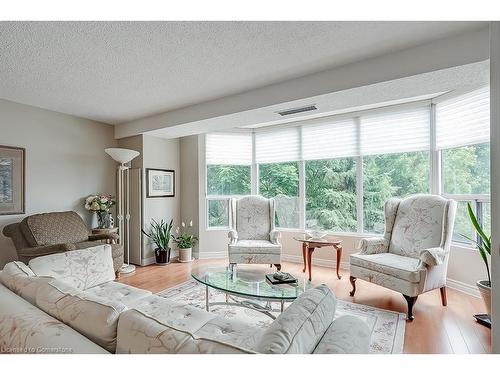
(301,326)
(118,292)
(402,267)
(92,316)
(19,278)
(25,328)
(53,228)
(255,247)
(159,325)
(82,269)
(346,335)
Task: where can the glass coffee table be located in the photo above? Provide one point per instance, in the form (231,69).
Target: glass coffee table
(247,287)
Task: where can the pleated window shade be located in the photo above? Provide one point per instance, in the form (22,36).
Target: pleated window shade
(229,148)
(277,146)
(397,131)
(330,140)
(464,120)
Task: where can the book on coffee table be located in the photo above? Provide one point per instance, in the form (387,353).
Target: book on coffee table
(289,279)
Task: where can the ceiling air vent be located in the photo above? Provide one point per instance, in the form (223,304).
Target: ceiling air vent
(292,111)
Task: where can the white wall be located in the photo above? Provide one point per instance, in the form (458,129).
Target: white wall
(495,182)
(464,269)
(162,154)
(65,161)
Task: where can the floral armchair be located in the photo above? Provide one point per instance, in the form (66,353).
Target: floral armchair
(412,256)
(252,236)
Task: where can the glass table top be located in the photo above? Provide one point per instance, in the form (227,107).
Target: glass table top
(250,281)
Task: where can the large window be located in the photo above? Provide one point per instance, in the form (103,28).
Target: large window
(392,175)
(462,137)
(281,182)
(331,194)
(335,173)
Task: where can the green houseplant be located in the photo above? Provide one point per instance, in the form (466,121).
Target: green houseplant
(484,247)
(185,243)
(160,234)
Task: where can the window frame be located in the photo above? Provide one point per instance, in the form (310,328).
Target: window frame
(435,171)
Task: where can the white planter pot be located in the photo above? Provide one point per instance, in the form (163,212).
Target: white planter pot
(185,255)
(485,291)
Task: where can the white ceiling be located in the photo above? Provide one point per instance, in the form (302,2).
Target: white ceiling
(119,71)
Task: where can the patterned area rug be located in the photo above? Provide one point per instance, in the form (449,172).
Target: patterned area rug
(388,327)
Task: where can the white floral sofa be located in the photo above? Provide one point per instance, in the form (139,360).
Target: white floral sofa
(70,303)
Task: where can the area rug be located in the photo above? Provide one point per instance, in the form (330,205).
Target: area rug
(387,327)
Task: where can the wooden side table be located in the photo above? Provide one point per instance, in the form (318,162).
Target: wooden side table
(106,231)
(308,247)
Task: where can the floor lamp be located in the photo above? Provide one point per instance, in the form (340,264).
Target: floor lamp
(123,156)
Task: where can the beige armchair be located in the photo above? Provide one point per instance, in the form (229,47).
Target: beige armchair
(253,238)
(412,255)
(56,232)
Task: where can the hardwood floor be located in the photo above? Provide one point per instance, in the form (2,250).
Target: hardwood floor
(436,329)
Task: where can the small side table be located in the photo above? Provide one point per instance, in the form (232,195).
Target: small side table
(308,247)
(106,231)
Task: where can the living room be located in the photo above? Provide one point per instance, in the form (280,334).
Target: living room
(237,187)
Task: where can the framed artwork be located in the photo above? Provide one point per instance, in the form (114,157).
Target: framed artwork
(160,183)
(12,180)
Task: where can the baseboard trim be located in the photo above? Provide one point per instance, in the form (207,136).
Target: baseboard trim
(463,287)
(315,261)
(450,283)
(212,254)
(148,261)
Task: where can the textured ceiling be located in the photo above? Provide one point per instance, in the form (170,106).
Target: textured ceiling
(119,71)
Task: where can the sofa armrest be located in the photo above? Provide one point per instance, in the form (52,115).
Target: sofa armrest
(104,236)
(433,256)
(233,237)
(275,237)
(37,251)
(374,245)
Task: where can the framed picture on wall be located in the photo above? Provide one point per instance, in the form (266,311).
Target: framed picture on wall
(160,183)
(12,180)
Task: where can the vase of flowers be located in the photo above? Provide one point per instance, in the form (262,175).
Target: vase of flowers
(159,233)
(185,243)
(100,204)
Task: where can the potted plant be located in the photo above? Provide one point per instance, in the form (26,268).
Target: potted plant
(159,233)
(101,204)
(185,243)
(484,247)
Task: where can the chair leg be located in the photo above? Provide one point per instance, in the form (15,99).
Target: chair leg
(444,299)
(117,274)
(411,302)
(353,283)
(278,267)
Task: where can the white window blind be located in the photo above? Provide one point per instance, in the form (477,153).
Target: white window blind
(330,140)
(277,146)
(395,131)
(229,149)
(464,120)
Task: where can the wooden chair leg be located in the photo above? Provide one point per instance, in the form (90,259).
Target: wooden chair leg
(411,302)
(278,267)
(353,283)
(444,299)
(117,274)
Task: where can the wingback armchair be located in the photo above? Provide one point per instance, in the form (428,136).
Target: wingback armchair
(412,255)
(253,238)
(56,232)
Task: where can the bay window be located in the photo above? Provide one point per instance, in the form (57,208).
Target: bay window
(462,139)
(335,173)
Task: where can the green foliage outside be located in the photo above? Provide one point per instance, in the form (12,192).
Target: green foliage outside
(331,186)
